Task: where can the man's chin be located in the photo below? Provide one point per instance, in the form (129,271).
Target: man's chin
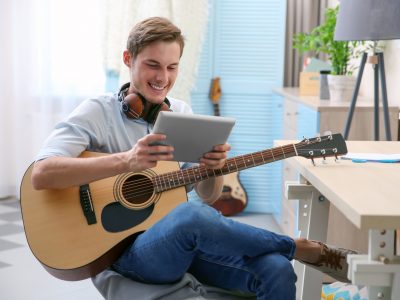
(155,99)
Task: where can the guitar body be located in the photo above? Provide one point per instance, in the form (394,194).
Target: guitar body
(58,232)
(234,198)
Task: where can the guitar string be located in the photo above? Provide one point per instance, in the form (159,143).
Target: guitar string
(143,187)
(146,188)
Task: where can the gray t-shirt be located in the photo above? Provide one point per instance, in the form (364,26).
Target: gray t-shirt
(99,125)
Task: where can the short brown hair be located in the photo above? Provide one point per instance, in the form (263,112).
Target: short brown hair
(151,30)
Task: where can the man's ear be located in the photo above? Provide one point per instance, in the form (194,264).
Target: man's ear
(127,58)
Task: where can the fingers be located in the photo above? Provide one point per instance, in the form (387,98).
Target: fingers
(216,158)
(153,137)
(153,149)
(222,148)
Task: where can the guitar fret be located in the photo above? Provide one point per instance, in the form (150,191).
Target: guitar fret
(161,184)
(183,177)
(194,175)
(236,164)
(175,181)
(276,153)
(169,180)
(206,173)
(272,153)
(258,158)
(248,160)
(283,152)
(162,180)
(262,156)
(156,187)
(252,157)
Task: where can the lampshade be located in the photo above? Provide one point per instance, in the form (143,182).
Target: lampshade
(368,20)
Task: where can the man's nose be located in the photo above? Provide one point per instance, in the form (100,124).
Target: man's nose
(162,74)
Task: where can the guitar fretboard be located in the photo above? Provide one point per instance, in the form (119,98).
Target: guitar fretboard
(192,175)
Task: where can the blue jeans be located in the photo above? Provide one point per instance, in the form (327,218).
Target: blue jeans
(218,251)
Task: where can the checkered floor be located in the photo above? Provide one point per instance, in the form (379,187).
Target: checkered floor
(21,275)
(10,224)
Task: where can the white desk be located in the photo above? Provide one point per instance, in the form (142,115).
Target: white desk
(368,194)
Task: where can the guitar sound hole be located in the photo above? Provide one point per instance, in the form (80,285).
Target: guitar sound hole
(137,189)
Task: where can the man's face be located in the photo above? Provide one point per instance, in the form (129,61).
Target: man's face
(153,71)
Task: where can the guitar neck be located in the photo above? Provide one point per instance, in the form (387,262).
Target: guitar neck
(192,175)
(216,109)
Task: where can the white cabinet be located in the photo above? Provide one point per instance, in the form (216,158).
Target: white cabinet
(306,116)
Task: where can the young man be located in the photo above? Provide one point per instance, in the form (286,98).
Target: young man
(191,238)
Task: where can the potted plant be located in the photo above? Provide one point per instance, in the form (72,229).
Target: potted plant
(340,53)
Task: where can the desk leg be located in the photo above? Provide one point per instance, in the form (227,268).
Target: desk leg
(313,224)
(380,245)
(379,270)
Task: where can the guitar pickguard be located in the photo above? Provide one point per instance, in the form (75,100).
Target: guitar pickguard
(116,217)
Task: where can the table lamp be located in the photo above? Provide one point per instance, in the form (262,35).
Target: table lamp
(369,20)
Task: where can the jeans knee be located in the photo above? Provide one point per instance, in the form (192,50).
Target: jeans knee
(284,268)
(276,270)
(191,216)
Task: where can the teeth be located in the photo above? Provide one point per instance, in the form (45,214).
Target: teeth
(157,87)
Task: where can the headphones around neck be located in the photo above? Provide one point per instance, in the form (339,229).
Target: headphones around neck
(135,106)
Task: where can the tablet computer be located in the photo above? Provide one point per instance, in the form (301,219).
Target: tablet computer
(192,135)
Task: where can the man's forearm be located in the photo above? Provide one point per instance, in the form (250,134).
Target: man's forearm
(63,172)
(210,189)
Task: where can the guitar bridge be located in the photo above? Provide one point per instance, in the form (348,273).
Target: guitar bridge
(87,204)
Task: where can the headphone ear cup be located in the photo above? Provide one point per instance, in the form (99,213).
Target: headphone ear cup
(153,112)
(133,106)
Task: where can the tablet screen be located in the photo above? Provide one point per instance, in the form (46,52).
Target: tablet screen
(192,135)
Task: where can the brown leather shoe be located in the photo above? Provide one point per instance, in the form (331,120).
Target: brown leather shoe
(332,261)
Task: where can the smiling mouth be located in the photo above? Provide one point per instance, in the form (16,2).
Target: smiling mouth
(157,87)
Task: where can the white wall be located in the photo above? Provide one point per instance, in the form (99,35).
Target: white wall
(392,72)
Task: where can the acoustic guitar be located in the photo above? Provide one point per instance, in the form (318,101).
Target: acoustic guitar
(77,232)
(233,199)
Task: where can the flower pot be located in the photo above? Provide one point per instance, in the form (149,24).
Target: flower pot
(341,87)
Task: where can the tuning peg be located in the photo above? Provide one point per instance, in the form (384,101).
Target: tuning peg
(312,160)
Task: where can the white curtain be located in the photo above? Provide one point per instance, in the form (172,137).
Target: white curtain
(190,16)
(53,55)
(301,16)
(51,59)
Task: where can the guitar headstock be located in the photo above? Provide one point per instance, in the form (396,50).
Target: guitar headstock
(324,146)
(215,90)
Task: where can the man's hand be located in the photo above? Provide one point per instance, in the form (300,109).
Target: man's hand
(145,154)
(216,159)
